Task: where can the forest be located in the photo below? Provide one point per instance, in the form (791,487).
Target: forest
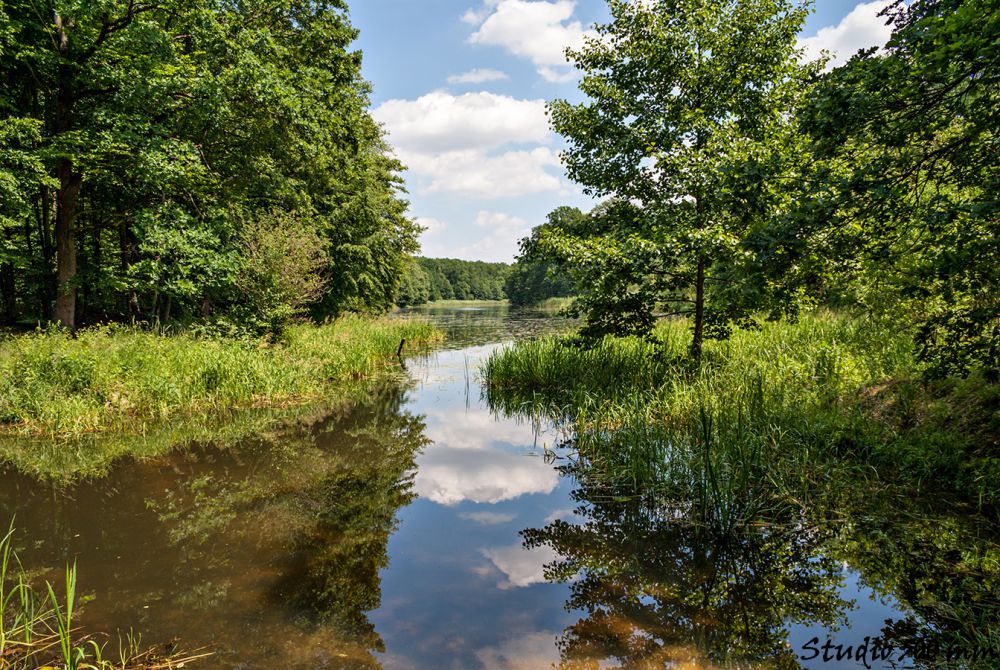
(760,185)
(525,283)
(765,418)
(192,161)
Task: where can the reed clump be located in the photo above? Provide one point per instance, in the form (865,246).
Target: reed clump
(120,379)
(766,415)
(38,629)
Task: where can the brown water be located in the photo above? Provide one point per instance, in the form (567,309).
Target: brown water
(411,527)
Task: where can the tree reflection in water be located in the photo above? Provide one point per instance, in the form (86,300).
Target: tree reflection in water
(324,499)
(662,584)
(659,588)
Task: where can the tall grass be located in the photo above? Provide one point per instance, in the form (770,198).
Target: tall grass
(118,379)
(37,627)
(753,426)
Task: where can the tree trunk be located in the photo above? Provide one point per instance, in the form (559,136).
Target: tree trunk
(699,312)
(46,293)
(7,290)
(66,204)
(68,194)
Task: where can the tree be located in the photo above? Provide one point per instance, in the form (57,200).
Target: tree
(688,125)
(535,278)
(163,129)
(900,213)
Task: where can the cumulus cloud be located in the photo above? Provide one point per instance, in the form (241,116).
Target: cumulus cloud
(469,144)
(860,29)
(478,76)
(537,30)
(449,476)
(440,121)
(521,567)
(430,225)
(502,242)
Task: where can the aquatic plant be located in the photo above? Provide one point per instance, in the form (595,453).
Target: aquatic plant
(37,628)
(124,380)
(773,407)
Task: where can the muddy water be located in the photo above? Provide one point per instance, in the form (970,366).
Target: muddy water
(408,526)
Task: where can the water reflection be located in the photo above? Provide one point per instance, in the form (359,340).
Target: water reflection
(270,552)
(385,530)
(657,588)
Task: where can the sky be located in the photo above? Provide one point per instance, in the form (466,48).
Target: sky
(460,87)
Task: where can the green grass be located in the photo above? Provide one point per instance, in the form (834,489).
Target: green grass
(765,416)
(114,379)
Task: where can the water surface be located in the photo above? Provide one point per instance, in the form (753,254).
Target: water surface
(409,526)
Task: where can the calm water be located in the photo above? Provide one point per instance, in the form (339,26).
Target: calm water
(411,527)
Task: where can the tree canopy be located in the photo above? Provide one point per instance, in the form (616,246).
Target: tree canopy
(687,125)
(743,182)
(173,159)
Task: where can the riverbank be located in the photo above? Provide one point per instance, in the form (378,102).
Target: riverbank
(778,404)
(120,380)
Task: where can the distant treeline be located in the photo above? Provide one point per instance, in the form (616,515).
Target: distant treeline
(523,283)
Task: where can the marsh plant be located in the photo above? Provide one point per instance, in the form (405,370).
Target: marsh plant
(766,415)
(120,379)
(38,627)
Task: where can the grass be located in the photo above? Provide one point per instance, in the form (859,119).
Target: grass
(37,627)
(114,379)
(762,417)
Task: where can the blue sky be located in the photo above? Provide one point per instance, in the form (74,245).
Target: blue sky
(460,86)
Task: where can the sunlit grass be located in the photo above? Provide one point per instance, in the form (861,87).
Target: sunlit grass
(123,380)
(765,416)
(38,627)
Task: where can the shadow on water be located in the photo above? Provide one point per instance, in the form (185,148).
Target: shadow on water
(269,552)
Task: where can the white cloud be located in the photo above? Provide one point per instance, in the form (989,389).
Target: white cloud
(478,76)
(520,566)
(536,30)
(467,144)
(449,476)
(860,29)
(431,226)
(440,121)
(475,173)
(503,240)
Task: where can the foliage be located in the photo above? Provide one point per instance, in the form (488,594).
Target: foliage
(143,147)
(282,271)
(430,279)
(534,279)
(689,126)
(899,211)
(828,386)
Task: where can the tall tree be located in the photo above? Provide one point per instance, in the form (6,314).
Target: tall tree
(901,211)
(688,124)
(169,130)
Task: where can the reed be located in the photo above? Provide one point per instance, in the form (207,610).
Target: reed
(37,627)
(768,413)
(121,379)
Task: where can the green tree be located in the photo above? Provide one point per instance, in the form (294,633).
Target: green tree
(688,123)
(535,278)
(163,129)
(900,213)
(415,289)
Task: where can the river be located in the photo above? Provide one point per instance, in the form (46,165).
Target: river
(387,529)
